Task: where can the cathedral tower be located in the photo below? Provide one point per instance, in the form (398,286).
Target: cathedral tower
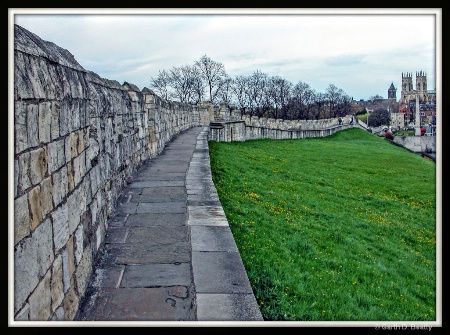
(421,85)
(407,87)
(407,83)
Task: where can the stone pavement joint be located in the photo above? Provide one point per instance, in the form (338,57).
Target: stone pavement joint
(169,254)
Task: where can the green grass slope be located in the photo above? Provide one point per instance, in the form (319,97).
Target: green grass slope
(341,228)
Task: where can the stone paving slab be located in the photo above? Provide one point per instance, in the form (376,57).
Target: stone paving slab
(175,303)
(158,234)
(227,307)
(160,176)
(203,203)
(118,220)
(219,272)
(108,277)
(159,219)
(175,190)
(148,253)
(116,234)
(212,239)
(200,189)
(154,275)
(202,197)
(205,212)
(159,208)
(156,183)
(158,198)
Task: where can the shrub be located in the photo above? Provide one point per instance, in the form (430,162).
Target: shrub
(388,134)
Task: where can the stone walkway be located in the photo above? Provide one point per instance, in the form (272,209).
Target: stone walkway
(169,254)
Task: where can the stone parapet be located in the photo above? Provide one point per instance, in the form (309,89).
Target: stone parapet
(77,140)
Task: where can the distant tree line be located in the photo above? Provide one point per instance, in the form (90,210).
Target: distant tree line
(256,95)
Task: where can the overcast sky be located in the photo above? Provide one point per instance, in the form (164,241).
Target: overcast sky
(361,52)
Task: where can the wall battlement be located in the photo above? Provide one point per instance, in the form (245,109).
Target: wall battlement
(77,140)
(242,128)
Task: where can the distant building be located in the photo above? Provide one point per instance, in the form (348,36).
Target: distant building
(427,99)
(409,93)
(392,92)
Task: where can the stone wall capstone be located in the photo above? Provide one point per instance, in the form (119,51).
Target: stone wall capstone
(77,140)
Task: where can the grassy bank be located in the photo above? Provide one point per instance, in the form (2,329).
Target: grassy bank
(338,228)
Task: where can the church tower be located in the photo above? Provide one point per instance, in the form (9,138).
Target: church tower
(407,87)
(421,85)
(392,92)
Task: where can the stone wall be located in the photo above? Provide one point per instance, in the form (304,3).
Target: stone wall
(233,127)
(417,144)
(77,140)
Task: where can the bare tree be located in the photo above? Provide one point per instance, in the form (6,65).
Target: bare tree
(239,88)
(161,84)
(332,95)
(257,92)
(212,72)
(376,97)
(278,93)
(182,82)
(344,105)
(224,91)
(318,110)
(302,100)
(198,85)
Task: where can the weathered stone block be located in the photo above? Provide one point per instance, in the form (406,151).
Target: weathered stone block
(24,180)
(34,200)
(45,121)
(67,149)
(75,115)
(40,300)
(32,258)
(81,140)
(32,125)
(79,168)
(38,165)
(60,185)
(95,179)
(70,181)
(59,315)
(20,126)
(21,218)
(56,155)
(68,264)
(24,314)
(74,144)
(57,286)
(22,83)
(78,244)
(86,184)
(73,201)
(46,196)
(84,269)
(60,227)
(100,235)
(55,110)
(35,72)
(65,117)
(16,176)
(94,209)
(70,304)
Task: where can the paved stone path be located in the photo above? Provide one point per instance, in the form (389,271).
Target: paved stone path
(169,254)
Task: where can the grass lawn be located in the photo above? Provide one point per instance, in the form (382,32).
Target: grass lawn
(341,228)
(404,133)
